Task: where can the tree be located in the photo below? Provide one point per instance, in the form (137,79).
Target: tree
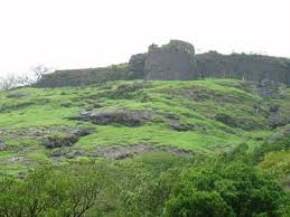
(8,82)
(29,198)
(198,204)
(68,191)
(240,187)
(40,70)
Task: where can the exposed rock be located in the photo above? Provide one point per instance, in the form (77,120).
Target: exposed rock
(67,153)
(118,152)
(64,139)
(82,132)
(56,141)
(122,152)
(74,154)
(2,146)
(58,153)
(126,117)
(178,126)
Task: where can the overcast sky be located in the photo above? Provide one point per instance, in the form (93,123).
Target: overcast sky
(90,33)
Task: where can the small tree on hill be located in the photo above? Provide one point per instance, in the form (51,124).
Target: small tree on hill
(40,70)
(36,73)
(8,82)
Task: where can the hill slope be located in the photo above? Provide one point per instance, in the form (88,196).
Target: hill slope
(121,119)
(137,148)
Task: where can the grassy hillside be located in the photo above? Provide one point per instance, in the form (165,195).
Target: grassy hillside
(136,148)
(203,116)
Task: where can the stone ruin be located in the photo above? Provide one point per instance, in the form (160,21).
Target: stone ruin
(173,61)
(177,61)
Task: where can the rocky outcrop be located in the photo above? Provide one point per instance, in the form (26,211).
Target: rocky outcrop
(64,139)
(56,141)
(125,117)
(123,152)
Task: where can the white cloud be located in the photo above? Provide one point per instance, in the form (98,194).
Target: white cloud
(88,33)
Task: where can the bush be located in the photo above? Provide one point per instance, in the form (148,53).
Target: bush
(68,191)
(231,190)
(198,204)
(279,141)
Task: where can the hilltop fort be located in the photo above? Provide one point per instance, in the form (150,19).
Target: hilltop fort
(177,61)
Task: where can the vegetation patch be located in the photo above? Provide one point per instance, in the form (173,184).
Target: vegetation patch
(236,122)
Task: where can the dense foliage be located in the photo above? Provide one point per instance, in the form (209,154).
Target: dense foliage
(170,188)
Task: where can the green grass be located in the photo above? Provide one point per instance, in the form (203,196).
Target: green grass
(158,135)
(194,103)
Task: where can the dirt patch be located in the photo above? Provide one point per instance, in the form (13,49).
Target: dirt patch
(70,154)
(118,152)
(123,152)
(125,117)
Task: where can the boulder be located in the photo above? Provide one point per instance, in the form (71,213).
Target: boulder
(56,141)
